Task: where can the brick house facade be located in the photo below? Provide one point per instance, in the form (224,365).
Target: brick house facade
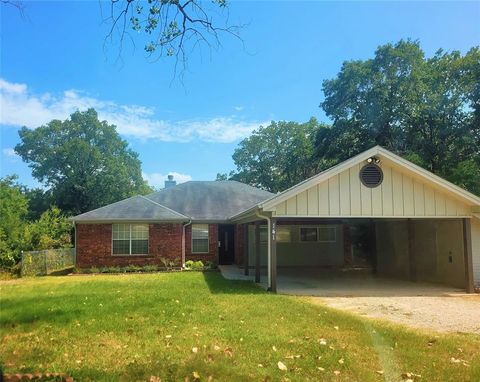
(94,246)
(169,214)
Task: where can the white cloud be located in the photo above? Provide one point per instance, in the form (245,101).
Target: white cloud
(9,152)
(238,108)
(157,179)
(21,107)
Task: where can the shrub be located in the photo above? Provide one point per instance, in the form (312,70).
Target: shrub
(110,270)
(150,268)
(194,265)
(210,265)
(132,268)
(94,270)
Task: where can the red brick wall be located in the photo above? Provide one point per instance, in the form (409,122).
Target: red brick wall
(212,254)
(94,246)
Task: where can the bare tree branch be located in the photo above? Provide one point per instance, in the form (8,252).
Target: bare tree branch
(171,28)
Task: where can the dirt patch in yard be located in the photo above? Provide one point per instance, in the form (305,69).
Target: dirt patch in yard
(456,313)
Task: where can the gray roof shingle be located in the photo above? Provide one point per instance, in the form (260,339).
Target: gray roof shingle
(210,200)
(134,208)
(213,201)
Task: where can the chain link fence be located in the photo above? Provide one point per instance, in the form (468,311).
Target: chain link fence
(41,263)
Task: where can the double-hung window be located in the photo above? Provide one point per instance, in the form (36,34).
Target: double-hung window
(200,238)
(130,239)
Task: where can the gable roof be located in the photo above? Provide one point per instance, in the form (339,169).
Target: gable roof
(210,200)
(135,208)
(428,176)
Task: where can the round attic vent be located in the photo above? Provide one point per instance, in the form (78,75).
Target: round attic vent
(371,175)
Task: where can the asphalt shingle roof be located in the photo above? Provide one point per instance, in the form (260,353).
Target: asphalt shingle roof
(134,208)
(199,200)
(210,200)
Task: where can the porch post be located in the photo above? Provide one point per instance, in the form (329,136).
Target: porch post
(373,244)
(245,248)
(467,253)
(411,251)
(257,252)
(273,256)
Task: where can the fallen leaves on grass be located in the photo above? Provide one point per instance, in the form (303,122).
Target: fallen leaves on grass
(410,377)
(282,366)
(194,350)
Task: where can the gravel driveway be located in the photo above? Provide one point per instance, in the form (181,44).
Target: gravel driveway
(454,313)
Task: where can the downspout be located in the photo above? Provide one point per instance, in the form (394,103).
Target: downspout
(183,241)
(269,252)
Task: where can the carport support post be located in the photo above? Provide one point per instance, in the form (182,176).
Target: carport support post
(273,256)
(245,248)
(467,252)
(411,251)
(257,252)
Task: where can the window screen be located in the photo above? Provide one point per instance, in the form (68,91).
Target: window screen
(130,239)
(327,234)
(308,234)
(200,238)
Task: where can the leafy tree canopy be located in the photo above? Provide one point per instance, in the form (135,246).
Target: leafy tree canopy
(425,109)
(83,162)
(277,156)
(17,233)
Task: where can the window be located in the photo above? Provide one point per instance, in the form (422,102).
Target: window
(130,239)
(327,234)
(200,238)
(263,235)
(308,234)
(284,234)
(322,234)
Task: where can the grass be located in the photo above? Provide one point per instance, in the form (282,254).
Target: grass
(132,327)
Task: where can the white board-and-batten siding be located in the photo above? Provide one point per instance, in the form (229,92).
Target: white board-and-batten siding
(399,195)
(476,251)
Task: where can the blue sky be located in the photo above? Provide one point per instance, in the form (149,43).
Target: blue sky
(53,61)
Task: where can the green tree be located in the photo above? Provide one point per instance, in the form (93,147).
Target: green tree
(426,109)
(52,230)
(277,156)
(13,210)
(82,161)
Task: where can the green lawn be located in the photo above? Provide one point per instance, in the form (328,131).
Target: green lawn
(132,327)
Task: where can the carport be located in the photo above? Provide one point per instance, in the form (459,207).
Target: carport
(375,216)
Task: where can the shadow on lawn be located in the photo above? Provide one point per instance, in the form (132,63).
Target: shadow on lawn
(34,310)
(219,285)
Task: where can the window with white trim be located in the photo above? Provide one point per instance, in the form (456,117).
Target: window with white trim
(200,238)
(130,239)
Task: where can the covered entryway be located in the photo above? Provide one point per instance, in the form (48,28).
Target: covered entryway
(375,221)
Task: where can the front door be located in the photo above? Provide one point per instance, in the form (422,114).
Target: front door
(226,245)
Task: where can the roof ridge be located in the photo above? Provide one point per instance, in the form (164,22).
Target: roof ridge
(161,205)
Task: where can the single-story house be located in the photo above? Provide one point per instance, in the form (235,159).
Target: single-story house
(376,211)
